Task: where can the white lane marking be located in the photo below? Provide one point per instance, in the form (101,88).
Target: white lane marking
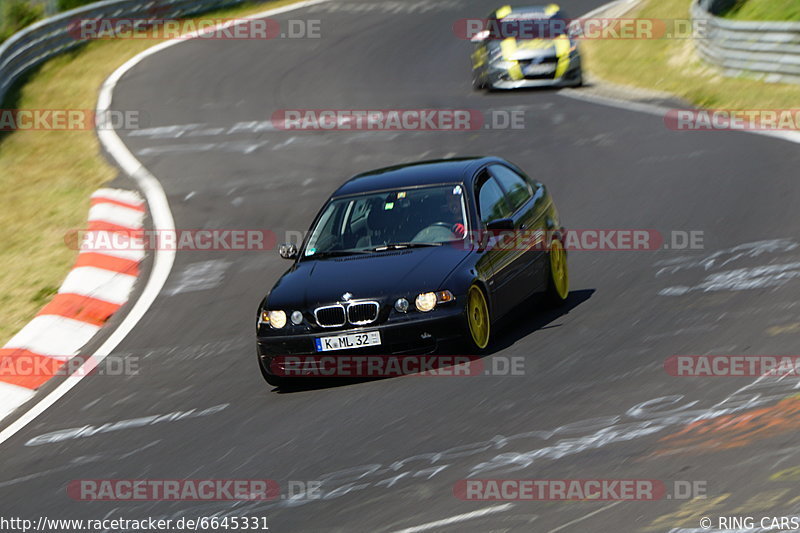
(12,397)
(661,111)
(458,518)
(616,8)
(53,335)
(106,285)
(116,214)
(584,517)
(159,211)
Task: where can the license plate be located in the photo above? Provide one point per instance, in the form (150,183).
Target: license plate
(343,342)
(545,68)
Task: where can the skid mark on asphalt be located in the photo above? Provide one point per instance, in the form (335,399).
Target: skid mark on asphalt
(90,431)
(741,279)
(496,456)
(199,277)
(782,268)
(180,355)
(238,147)
(721,258)
(457,519)
(734,431)
(783,329)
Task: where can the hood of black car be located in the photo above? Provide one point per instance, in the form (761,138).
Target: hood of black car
(369,276)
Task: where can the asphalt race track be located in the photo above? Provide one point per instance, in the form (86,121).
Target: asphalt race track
(594,401)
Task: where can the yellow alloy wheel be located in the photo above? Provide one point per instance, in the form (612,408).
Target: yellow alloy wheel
(558,269)
(478,317)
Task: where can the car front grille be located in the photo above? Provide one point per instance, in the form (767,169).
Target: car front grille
(330,316)
(360,313)
(546,60)
(355,313)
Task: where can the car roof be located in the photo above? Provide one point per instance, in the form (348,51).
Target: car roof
(414,175)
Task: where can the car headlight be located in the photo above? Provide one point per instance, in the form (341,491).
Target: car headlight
(276,319)
(427,300)
(297,317)
(504,65)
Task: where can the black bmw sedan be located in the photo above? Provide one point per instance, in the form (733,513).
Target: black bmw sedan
(410,258)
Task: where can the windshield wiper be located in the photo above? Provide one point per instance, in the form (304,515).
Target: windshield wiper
(336,253)
(401,245)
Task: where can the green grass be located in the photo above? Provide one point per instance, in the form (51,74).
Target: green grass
(670,65)
(47,176)
(766,10)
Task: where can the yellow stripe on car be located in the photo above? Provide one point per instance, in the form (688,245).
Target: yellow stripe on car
(563,47)
(479,57)
(552,9)
(503,12)
(508,47)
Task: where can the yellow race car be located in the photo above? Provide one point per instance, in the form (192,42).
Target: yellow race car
(526,47)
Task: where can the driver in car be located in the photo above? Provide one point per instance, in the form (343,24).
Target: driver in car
(454,213)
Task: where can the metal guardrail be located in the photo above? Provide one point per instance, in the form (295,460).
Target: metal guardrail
(765,50)
(50,37)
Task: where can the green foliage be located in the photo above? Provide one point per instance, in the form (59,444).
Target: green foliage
(16,14)
(786,10)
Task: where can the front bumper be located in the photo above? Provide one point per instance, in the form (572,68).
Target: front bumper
(500,79)
(416,334)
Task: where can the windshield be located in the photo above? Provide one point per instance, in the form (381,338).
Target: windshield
(527,26)
(401,217)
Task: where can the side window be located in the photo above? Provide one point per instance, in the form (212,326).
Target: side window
(517,189)
(492,201)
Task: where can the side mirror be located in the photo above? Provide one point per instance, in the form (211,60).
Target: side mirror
(288,251)
(574,30)
(501,224)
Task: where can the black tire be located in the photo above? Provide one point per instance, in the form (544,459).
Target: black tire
(477,86)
